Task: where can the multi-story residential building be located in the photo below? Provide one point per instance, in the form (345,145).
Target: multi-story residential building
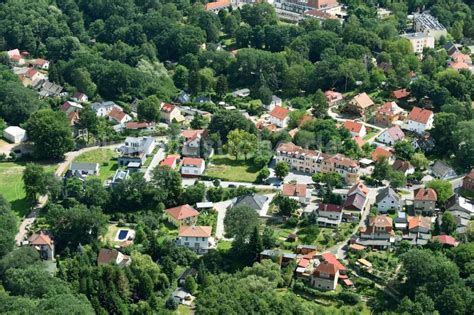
(391,135)
(184,214)
(420,120)
(136,149)
(195,238)
(298,192)
(425,200)
(419,41)
(312,161)
(301,6)
(378,233)
(43,243)
(279,116)
(428,24)
(192,166)
(387,199)
(389,113)
(360,103)
(329,214)
(171,113)
(325,276)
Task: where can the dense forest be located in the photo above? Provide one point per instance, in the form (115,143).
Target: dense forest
(148,50)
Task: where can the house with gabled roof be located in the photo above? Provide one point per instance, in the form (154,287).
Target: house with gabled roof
(118,116)
(446,240)
(356,197)
(468,181)
(43,243)
(401,94)
(425,200)
(80,97)
(419,230)
(419,120)
(404,167)
(184,214)
(196,238)
(442,170)
(113,257)
(389,113)
(360,103)
(381,152)
(192,166)
(387,199)
(70,107)
(378,233)
(391,135)
(298,192)
(333,98)
(355,128)
(254,201)
(279,116)
(218,5)
(325,276)
(329,215)
(171,113)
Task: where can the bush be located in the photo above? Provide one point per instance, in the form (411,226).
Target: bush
(349,298)
(171,304)
(292,222)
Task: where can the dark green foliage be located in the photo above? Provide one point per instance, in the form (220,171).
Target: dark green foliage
(8,227)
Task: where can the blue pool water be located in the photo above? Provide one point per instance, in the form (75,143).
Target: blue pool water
(122,235)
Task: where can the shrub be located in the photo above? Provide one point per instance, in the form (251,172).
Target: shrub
(349,297)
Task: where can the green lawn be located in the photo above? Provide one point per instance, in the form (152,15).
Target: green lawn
(370,135)
(224,245)
(106,158)
(11,185)
(229,169)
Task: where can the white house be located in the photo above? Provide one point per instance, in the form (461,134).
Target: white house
(118,116)
(356,128)
(420,120)
(388,199)
(14,134)
(104,108)
(276,101)
(329,214)
(195,237)
(80,97)
(279,116)
(41,63)
(43,243)
(391,135)
(85,168)
(325,276)
(139,144)
(114,257)
(298,192)
(193,166)
(241,93)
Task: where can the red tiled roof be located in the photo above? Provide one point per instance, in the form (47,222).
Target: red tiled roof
(195,231)
(381,221)
(192,133)
(380,152)
(298,190)
(182,212)
(396,133)
(31,72)
(117,114)
(357,247)
(330,258)
(419,221)
(360,187)
(167,108)
(389,109)
(327,268)
(137,125)
(470,175)
(329,207)
(420,115)
(303,263)
(279,112)
(401,166)
(197,162)
(305,119)
(401,93)
(360,142)
(40,62)
(73,118)
(332,95)
(426,194)
(460,57)
(218,4)
(353,126)
(169,161)
(446,240)
(107,256)
(41,238)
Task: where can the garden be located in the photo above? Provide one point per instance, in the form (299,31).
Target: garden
(227,168)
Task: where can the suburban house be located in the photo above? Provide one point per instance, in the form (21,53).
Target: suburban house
(381,152)
(356,197)
(194,237)
(80,97)
(40,63)
(445,240)
(329,215)
(279,116)
(401,94)
(170,113)
(119,176)
(102,109)
(298,192)
(401,221)
(254,201)
(378,233)
(333,98)
(425,200)
(360,103)
(391,135)
(462,209)
(84,169)
(389,113)
(356,128)
(468,181)
(442,170)
(14,134)
(70,107)
(419,230)
(241,93)
(325,276)
(403,166)
(43,243)
(113,256)
(192,166)
(282,258)
(15,57)
(184,214)
(136,149)
(171,161)
(218,5)
(420,120)
(118,116)
(140,125)
(387,199)
(193,142)
(276,101)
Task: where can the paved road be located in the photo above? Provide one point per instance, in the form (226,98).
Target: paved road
(221,208)
(157,158)
(190,181)
(42,200)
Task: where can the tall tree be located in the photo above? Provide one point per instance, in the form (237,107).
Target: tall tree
(34,181)
(149,109)
(240,222)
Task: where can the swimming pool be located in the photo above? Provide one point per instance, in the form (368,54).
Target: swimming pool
(122,235)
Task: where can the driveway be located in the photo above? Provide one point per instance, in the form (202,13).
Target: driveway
(221,208)
(157,158)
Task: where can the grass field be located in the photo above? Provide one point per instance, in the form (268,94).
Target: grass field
(106,158)
(228,169)
(11,185)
